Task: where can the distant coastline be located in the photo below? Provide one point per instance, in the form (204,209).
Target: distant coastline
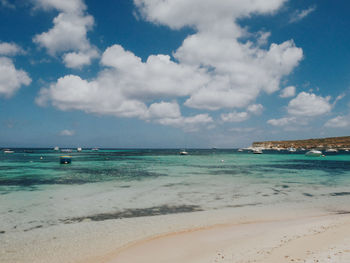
(319,143)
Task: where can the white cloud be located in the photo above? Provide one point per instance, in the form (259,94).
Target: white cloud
(301,14)
(9,49)
(11,79)
(202,13)
(255,109)
(338,98)
(283,121)
(216,67)
(288,92)
(338,122)
(67,132)
(309,105)
(79,59)
(69,33)
(68,6)
(235,116)
(239,71)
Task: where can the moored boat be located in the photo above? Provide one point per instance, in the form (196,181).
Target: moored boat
(313,153)
(331,150)
(65,159)
(257,151)
(291,149)
(183,153)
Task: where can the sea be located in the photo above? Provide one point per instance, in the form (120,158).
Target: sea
(36,191)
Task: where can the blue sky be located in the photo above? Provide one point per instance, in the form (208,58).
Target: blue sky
(154,74)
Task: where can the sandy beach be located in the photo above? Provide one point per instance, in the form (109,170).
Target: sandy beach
(258,234)
(311,239)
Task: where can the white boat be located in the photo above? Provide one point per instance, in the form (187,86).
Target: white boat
(56,148)
(79,149)
(331,151)
(66,150)
(314,153)
(240,150)
(291,149)
(257,151)
(94,149)
(183,153)
(8,151)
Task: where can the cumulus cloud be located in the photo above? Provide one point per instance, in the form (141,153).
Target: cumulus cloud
(11,79)
(309,105)
(301,14)
(219,66)
(235,116)
(68,6)
(79,59)
(338,122)
(288,92)
(69,32)
(239,71)
(255,109)
(67,133)
(283,121)
(125,88)
(10,49)
(302,108)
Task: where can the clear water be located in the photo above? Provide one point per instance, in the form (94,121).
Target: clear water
(39,192)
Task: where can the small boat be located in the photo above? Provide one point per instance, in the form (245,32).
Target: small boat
(183,153)
(291,149)
(331,150)
(240,150)
(65,159)
(94,149)
(313,153)
(8,151)
(257,151)
(79,149)
(56,148)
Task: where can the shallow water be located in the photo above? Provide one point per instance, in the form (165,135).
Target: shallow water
(110,184)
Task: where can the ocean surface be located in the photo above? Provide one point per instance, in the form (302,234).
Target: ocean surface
(36,191)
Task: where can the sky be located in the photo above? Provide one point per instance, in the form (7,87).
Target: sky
(172,74)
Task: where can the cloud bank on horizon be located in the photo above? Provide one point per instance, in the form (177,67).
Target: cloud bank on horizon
(220,69)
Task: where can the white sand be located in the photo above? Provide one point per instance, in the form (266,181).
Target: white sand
(311,239)
(251,234)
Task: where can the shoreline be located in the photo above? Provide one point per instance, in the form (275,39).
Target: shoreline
(307,239)
(105,241)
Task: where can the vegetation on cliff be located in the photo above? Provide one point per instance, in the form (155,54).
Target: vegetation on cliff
(322,143)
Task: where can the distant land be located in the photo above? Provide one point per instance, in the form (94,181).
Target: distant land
(322,143)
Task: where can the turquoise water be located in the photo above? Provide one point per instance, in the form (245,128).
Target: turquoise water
(39,192)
